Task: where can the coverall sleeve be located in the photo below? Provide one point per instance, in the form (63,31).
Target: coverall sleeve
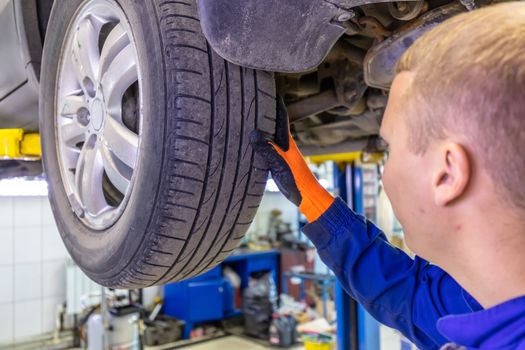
(403,293)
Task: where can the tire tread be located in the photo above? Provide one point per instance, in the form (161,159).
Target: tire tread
(212,178)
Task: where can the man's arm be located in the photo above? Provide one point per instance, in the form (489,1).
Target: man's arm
(403,293)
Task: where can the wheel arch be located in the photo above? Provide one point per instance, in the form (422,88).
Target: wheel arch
(19,103)
(31,20)
(275,35)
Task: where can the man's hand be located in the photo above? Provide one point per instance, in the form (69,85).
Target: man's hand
(289,169)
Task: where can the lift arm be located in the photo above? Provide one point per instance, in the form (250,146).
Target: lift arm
(17,144)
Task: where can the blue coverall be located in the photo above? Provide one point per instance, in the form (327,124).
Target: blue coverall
(419,299)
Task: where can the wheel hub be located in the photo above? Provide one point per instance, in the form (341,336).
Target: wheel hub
(97,113)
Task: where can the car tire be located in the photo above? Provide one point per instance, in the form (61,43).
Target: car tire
(196,183)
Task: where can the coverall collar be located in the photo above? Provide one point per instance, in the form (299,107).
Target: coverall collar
(500,327)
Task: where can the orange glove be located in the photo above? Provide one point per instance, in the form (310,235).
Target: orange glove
(289,169)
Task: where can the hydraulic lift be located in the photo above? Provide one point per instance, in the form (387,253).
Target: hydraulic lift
(18,144)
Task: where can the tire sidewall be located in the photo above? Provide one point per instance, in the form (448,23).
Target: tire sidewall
(103,255)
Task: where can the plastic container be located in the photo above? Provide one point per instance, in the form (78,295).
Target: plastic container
(318,345)
(318,342)
(282,331)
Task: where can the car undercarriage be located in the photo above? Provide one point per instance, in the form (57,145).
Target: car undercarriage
(335,59)
(338,106)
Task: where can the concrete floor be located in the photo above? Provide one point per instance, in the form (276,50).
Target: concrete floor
(390,340)
(232,343)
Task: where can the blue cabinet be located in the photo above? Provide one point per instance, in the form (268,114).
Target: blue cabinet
(197,299)
(209,297)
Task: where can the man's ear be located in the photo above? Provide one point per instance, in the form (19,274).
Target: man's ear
(452,174)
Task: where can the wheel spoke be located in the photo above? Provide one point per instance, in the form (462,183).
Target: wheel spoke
(72,133)
(70,158)
(121,141)
(120,74)
(115,42)
(118,173)
(88,179)
(85,55)
(71,105)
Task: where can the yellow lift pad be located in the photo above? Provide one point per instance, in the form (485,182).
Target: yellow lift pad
(19,144)
(350,157)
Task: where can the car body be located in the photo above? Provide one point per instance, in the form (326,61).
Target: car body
(23,29)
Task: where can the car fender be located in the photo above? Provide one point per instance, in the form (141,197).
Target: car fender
(275,35)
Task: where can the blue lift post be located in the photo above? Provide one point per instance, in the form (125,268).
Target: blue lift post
(356,329)
(368,326)
(346,308)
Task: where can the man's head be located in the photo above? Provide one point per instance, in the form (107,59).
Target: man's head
(455,123)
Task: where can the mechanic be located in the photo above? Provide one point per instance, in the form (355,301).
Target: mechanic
(455,124)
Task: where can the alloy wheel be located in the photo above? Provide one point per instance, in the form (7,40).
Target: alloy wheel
(98,113)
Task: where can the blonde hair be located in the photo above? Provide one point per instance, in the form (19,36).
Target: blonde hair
(469,81)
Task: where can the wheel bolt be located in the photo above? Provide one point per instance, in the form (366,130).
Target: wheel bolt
(83,116)
(401,6)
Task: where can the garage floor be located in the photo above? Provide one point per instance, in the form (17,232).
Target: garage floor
(232,343)
(389,341)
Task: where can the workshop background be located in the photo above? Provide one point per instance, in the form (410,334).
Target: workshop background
(46,302)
